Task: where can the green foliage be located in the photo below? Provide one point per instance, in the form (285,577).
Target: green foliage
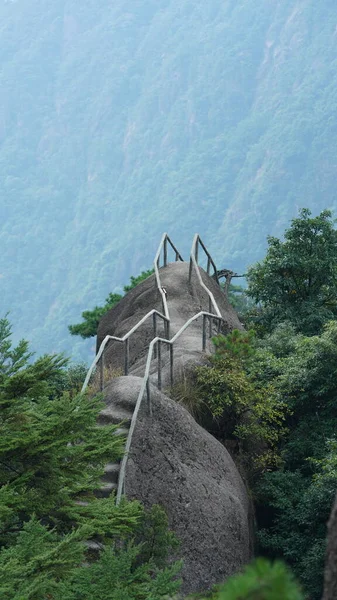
(136,280)
(242,407)
(297,281)
(293,511)
(157,541)
(51,450)
(117,576)
(11,359)
(238,344)
(72,378)
(52,455)
(262,580)
(35,565)
(42,564)
(92,317)
(294,503)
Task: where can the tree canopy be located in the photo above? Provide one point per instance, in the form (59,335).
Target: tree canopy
(297,280)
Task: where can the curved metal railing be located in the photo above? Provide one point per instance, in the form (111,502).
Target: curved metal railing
(155,350)
(156,343)
(146,385)
(125,340)
(194,256)
(162,249)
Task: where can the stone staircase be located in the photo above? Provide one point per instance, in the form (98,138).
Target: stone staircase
(183,292)
(119,413)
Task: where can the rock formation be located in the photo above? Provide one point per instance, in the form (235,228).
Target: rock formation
(176,463)
(184,300)
(173,461)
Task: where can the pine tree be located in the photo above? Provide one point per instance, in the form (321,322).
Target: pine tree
(52,455)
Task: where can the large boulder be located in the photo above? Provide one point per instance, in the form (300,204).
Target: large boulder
(184,299)
(176,463)
(330,579)
(173,461)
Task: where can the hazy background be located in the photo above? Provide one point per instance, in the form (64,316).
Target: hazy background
(120,120)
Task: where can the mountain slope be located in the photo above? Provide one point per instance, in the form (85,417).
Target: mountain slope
(120,122)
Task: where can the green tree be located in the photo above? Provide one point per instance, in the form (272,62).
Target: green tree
(293,503)
(52,456)
(238,298)
(242,407)
(91,318)
(136,280)
(262,580)
(297,281)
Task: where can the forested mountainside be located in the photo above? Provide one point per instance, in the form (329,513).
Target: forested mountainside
(121,120)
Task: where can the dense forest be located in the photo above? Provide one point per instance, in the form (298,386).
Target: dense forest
(120,122)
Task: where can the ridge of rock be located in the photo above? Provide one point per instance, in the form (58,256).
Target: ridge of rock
(176,463)
(172,460)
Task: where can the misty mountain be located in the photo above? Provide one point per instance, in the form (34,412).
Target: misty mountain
(121,120)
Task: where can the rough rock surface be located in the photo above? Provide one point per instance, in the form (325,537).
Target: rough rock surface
(330,579)
(176,463)
(184,300)
(173,461)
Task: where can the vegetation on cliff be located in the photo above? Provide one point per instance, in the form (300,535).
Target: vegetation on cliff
(272,395)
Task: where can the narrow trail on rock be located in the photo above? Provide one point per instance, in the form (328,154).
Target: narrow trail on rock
(184,305)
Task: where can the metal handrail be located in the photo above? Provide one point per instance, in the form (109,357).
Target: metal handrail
(120,339)
(155,344)
(163,246)
(146,385)
(152,313)
(194,263)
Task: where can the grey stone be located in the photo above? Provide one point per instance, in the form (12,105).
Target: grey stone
(184,300)
(176,463)
(330,579)
(173,461)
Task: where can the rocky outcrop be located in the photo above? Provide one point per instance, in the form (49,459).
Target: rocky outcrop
(176,463)
(330,579)
(184,300)
(173,461)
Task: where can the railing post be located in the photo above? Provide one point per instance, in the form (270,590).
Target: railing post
(204,332)
(197,251)
(165,252)
(190,271)
(208,265)
(101,373)
(159,364)
(209,318)
(171,364)
(126,356)
(210,327)
(167,329)
(148,393)
(177,256)
(154,316)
